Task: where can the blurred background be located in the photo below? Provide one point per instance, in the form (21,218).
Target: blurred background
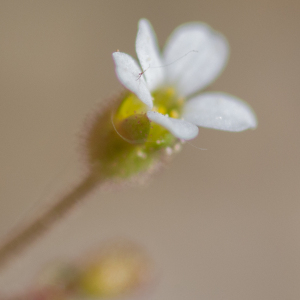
(218,224)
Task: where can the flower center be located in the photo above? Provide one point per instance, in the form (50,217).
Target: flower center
(130,118)
(166,101)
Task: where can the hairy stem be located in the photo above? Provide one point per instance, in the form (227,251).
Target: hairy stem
(42,223)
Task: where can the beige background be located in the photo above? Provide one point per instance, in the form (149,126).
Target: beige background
(219,224)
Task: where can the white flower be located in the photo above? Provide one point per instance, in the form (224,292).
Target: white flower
(193,57)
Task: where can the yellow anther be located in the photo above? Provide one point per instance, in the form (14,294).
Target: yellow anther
(161,110)
(174,114)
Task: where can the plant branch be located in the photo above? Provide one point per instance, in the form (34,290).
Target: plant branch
(26,236)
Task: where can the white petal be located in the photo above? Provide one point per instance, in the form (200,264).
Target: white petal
(179,128)
(195,55)
(128,72)
(219,111)
(148,54)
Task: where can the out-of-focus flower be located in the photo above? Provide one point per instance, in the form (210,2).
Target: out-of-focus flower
(121,269)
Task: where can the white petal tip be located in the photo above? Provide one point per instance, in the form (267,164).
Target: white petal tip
(128,72)
(220,111)
(179,128)
(143,22)
(149,55)
(196,70)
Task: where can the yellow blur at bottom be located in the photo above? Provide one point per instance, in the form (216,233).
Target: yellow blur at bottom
(119,271)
